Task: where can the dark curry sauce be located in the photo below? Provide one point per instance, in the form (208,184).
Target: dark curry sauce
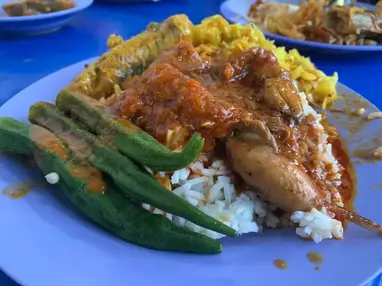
(280,264)
(315,257)
(348,188)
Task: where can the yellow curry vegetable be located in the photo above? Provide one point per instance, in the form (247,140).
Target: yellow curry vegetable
(131,57)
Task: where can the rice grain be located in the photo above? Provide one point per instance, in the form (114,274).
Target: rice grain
(374,115)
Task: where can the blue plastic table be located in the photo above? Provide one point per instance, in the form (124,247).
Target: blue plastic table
(26,60)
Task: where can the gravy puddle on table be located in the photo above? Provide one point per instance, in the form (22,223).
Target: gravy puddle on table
(315,258)
(21,189)
(280,264)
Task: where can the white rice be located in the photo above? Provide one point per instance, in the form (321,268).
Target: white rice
(374,115)
(245,212)
(210,188)
(360,111)
(317,225)
(215,195)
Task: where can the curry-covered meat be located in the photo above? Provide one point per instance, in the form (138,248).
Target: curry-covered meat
(184,91)
(166,99)
(274,140)
(260,69)
(185,58)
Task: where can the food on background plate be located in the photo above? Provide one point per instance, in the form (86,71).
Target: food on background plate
(34,7)
(187,133)
(319,21)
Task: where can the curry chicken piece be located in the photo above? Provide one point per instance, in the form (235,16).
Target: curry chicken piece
(166,99)
(260,69)
(185,92)
(282,183)
(184,58)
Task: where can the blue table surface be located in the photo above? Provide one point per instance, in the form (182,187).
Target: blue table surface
(28,59)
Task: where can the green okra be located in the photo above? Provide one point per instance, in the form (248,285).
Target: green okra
(125,173)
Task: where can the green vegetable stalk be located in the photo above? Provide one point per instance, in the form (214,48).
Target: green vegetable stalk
(125,173)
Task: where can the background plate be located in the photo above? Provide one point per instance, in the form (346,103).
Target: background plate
(44,241)
(38,24)
(236,10)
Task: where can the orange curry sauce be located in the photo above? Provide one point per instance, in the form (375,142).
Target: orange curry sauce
(79,169)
